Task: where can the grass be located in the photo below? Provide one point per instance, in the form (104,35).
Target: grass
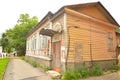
(34,64)
(3,65)
(71,75)
(83,72)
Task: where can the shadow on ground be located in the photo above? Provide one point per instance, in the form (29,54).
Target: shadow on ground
(31,78)
(36,78)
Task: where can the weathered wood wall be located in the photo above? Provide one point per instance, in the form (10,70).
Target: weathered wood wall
(93,37)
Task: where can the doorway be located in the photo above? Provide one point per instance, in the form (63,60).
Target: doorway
(57,56)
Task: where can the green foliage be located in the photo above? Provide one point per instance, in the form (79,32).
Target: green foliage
(71,75)
(5,43)
(46,68)
(118,30)
(15,38)
(3,65)
(114,67)
(96,71)
(34,64)
(82,72)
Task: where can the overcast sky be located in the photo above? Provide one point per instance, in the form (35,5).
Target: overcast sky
(10,10)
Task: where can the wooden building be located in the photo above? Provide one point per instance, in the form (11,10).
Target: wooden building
(76,35)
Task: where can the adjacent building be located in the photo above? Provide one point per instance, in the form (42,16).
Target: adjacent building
(76,35)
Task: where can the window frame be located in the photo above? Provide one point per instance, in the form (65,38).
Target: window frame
(43,42)
(110,41)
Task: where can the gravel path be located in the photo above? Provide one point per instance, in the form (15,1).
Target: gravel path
(20,70)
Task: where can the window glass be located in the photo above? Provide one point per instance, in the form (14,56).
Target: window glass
(43,42)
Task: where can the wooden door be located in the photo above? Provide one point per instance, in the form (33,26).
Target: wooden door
(56,56)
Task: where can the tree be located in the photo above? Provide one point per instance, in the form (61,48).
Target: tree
(4,41)
(16,37)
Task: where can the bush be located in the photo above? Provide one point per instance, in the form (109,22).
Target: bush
(46,68)
(96,71)
(114,67)
(71,75)
(84,72)
(33,63)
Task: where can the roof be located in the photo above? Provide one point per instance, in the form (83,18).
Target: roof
(47,17)
(108,14)
(51,16)
(98,5)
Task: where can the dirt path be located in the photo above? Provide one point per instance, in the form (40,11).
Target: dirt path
(20,70)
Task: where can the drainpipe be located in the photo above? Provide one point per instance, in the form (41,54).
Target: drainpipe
(91,55)
(51,53)
(90,45)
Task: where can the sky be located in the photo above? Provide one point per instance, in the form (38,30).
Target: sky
(10,10)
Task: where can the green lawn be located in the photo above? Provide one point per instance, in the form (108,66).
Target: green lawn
(3,65)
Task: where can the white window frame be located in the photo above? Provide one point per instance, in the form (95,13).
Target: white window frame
(43,45)
(28,45)
(34,43)
(43,42)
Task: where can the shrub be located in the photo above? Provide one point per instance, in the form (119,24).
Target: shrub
(46,68)
(96,71)
(114,67)
(84,72)
(71,75)
(33,63)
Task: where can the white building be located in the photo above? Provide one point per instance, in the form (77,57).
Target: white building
(0,49)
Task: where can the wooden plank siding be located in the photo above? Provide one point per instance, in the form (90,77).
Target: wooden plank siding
(98,12)
(92,36)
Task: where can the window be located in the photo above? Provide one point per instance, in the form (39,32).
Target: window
(110,41)
(28,45)
(43,42)
(34,43)
(43,45)
(118,40)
